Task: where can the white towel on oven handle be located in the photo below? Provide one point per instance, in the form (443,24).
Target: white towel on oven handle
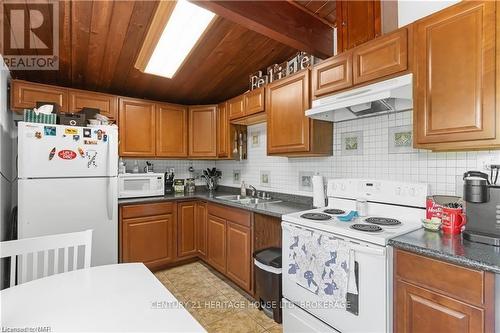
(352,287)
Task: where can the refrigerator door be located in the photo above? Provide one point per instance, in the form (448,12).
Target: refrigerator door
(52,206)
(47,151)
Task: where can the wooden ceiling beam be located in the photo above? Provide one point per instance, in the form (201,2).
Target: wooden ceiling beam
(278,20)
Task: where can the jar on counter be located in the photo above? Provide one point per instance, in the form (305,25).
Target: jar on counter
(190,185)
(179,185)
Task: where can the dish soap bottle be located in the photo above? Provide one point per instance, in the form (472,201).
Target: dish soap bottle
(243,192)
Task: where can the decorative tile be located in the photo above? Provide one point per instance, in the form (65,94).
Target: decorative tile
(352,143)
(400,139)
(305,180)
(255,139)
(265,178)
(236,176)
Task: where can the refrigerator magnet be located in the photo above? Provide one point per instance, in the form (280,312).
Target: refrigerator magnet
(70,131)
(87,133)
(66,154)
(38,135)
(50,130)
(105,138)
(52,153)
(76,137)
(81,152)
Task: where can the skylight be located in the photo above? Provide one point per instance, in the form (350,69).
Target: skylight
(185,26)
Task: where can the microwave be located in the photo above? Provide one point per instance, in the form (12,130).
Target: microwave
(135,185)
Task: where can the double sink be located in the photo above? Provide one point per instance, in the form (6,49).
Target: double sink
(246,201)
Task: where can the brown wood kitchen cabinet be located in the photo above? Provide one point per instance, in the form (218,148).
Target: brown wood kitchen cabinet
(201,229)
(435,296)
(254,101)
(186,229)
(289,131)
(455,79)
(203,131)
(137,128)
(107,104)
(229,246)
(332,75)
(147,234)
(216,243)
(357,23)
(24,95)
(223,131)
(171,130)
(236,107)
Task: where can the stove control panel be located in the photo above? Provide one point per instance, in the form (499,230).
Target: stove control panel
(385,191)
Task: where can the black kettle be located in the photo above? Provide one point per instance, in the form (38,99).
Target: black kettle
(476,187)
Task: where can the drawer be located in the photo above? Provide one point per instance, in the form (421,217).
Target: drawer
(231,214)
(148,209)
(459,282)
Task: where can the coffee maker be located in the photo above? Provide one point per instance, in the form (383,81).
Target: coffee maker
(482,197)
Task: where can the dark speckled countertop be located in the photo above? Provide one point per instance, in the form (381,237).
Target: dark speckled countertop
(453,249)
(272,209)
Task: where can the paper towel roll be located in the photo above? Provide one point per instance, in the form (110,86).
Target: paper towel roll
(318,191)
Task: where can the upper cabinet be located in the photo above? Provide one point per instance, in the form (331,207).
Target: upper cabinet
(254,101)
(289,131)
(137,128)
(25,95)
(454,78)
(171,130)
(203,131)
(107,104)
(377,59)
(223,134)
(332,74)
(381,57)
(357,23)
(236,107)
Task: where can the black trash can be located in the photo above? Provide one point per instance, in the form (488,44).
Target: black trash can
(267,264)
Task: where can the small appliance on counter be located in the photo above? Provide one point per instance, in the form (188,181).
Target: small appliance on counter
(169,182)
(482,197)
(136,185)
(179,186)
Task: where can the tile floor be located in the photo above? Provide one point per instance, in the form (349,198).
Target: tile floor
(218,306)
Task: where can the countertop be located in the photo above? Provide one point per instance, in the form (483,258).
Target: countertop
(450,248)
(272,209)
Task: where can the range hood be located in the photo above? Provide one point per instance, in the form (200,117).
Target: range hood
(391,95)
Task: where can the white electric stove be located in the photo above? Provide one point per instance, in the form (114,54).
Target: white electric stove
(391,209)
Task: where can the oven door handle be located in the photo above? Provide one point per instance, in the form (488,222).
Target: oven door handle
(368,250)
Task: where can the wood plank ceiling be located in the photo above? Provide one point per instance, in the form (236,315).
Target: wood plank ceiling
(99,42)
(323,9)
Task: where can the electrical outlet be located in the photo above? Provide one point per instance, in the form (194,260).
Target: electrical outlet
(484,163)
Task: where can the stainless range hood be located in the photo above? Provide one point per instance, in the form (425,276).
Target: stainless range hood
(391,95)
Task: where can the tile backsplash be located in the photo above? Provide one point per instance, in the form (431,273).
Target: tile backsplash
(376,147)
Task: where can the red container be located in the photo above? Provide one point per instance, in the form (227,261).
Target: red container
(452,220)
(433,209)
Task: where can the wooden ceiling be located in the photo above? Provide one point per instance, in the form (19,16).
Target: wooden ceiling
(325,10)
(99,42)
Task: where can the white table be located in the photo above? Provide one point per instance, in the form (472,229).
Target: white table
(119,298)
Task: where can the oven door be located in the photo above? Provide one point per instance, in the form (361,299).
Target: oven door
(373,294)
(140,186)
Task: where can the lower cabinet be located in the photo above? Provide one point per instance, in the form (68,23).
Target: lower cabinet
(186,229)
(216,243)
(147,234)
(238,256)
(201,229)
(435,296)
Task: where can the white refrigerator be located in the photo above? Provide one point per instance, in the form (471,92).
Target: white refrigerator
(68,182)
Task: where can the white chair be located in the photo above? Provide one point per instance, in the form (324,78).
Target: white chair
(49,247)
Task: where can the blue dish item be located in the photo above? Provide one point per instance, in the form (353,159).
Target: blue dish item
(349,217)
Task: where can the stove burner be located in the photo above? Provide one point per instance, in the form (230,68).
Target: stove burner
(316,216)
(366,227)
(334,211)
(382,221)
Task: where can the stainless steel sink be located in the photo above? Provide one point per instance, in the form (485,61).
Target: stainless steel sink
(246,201)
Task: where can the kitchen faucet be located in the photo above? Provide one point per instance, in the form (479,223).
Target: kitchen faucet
(253,190)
